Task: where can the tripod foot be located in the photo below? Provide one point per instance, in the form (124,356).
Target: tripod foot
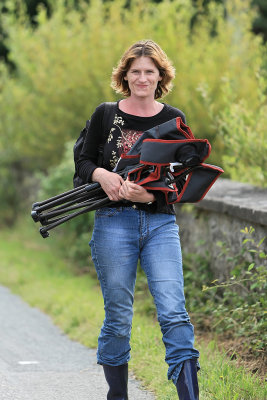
(44,232)
(35,216)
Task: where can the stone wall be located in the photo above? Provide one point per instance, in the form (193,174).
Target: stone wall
(227,208)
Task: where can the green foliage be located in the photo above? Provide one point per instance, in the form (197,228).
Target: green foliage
(58,179)
(10,203)
(260,23)
(242,303)
(16,185)
(63,67)
(75,233)
(234,308)
(242,129)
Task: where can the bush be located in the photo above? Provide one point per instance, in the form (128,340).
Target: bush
(74,234)
(63,68)
(16,188)
(242,128)
(235,308)
(10,203)
(241,306)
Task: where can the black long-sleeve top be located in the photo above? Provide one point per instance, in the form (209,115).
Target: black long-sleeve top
(124,132)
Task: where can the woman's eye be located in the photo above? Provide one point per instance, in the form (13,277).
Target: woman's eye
(136,72)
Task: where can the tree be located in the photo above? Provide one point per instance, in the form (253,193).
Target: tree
(259,25)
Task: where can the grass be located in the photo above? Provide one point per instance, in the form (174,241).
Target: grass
(31,267)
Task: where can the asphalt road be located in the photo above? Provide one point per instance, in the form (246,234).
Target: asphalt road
(39,362)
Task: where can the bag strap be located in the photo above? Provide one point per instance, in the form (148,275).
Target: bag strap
(109,113)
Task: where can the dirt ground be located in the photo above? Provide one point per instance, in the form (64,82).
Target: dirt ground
(236,350)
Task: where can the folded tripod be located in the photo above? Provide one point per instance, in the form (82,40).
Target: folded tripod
(62,208)
(166,158)
(68,205)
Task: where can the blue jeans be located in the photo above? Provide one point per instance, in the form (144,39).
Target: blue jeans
(121,236)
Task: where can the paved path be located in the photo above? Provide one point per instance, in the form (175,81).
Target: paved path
(38,362)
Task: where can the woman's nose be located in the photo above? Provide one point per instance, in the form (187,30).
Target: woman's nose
(142,77)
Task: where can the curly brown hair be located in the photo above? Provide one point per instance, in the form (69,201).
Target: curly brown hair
(147,48)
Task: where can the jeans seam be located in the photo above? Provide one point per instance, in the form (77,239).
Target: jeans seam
(148,224)
(144,222)
(140,220)
(97,266)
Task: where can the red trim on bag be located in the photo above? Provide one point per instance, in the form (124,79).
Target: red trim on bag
(177,173)
(215,167)
(179,123)
(153,177)
(136,169)
(153,163)
(162,189)
(212,183)
(167,199)
(184,187)
(124,155)
(177,141)
(139,169)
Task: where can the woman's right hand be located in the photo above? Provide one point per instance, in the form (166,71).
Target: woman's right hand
(109,181)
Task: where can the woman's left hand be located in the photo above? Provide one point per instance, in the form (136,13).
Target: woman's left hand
(135,193)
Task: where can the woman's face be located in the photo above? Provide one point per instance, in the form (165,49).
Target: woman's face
(143,77)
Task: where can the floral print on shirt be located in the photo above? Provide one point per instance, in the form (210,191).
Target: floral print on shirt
(125,139)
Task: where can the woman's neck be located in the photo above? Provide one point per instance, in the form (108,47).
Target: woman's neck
(140,107)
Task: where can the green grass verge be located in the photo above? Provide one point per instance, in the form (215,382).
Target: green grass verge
(31,267)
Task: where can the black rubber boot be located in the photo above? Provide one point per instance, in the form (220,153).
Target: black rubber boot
(187,384)
(117,379)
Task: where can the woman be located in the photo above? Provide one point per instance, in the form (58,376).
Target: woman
(139,225)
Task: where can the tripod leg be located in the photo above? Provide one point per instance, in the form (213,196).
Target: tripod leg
(98,204)
(60,199)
